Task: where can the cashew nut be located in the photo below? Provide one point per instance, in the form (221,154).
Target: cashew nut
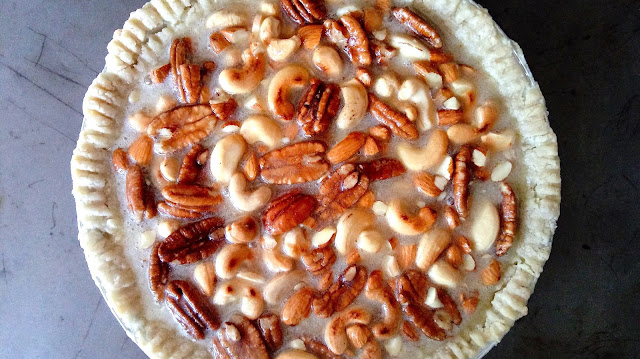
(251,301)
(295,243)
(423,158)
(226,156)
(283,81)
(462,133)
(431,245)
(247,201)
(349,227)
(409,47)
(276,261)
(296,354)
(335,335)
(245,79)
(269,28)
(386,85)
(327,59)
(260,128)
(356,103)
(371,350)
(416,92)
(486,115)
(499,141)
(370,241)
(377,290)
(406,224)
(282,284)
(281,49)
(225,18)
(230,258)
(242,231)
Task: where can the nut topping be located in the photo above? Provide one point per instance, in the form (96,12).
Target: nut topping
(461,177)
(319,105)
(191,82)
(378,291)
(349,146)
(193,242)
(298,307)
(190,309)
(192,164)
(319,261)
(395,120)
(509,218)
(418,25)
(239,338)
(135,191)
(191,195)
(491,274)
(296,163)
(340,191)
(382,169)
(341,293)
(304,11)
(158,274)
(269,326)
(287,211)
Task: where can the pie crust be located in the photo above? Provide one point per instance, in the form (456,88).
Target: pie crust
(149,31)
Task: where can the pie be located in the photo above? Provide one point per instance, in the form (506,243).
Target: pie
(301,179)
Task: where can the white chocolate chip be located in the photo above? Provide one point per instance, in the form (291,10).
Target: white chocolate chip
(297,344)
(479,158)
(167,226)
(445,168)
(323,236)
(452,103)
(432,299)
(379,208)
(393,346)
(501,171)
(147,238)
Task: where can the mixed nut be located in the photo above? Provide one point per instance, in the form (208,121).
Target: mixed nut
(316,234)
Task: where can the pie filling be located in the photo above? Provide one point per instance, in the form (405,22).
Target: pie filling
(315,182)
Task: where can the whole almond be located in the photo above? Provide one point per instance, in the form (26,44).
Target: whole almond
(491,274)
(371,148)
(298,307)
(452,218)
(120,160)
(141,150)
(250,168)
(310,35)
(470,304)
(406,255)
(204,274)
(454,256)
(426,183)
(346,148)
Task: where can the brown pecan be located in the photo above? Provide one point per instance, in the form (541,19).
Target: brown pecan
(378,291)
(298,306)
(452,218)
(449,306)
(410,331)
(188,135)
(411,293)
(270,330)
(193,242)
(349,146)
(287,211)
(120,160)
(180,48)
(160,74)
(382,169)
(418,25)
(449,72)
(305,11)
(319,261)
(296,163)
(171,209)
(422,317)
(382,52)
(318,106)
(223,110)
(340,190)
(364,76)
(319,349)
(461,177)
(395,120)
(508,220)
(239,338)
(218,42)
(191,195)
(449,117)
(135,190)
(178,117)
(191,82)
(190,309)
(158,273)
(372,19)
(341,293)
(192,164)
(357,46)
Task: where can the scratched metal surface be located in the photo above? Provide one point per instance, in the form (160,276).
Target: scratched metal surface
(584,53)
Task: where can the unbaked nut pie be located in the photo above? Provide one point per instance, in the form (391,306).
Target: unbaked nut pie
(301,179)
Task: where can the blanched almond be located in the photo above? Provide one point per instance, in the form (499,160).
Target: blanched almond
(485,223)
(431,245)
(501,171)
(444,274)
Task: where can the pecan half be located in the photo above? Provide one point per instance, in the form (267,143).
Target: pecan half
(305,11)
(411,293)
(382,169)
(190,309)
(296,163)
(158,274)
(180,48)
(223,110)
(418,25)
(382,52)
(193,242)
(188,134)
(449,306)
(319,261)
(171,209)
(239,338)
(349,146)
(287,211)
(318,106)
(341,293)
(270,330)
(135,190)
(319,349)
(508,220)
(298,306)
(191,195)
(378,291)
(218,42)
(341,190)
(461,177)
(410,331)
(423,318)
(357,46)
(178,117)
(191,82)
(192,164)
(160,74)
(395,120)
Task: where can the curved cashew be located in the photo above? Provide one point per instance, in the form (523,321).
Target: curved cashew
(431,245)
(251,301)
(409,46)
(281,285)
(356,103)
(370,241)
(259,128)
(403,223)
(371,350)
(276,261)
(269,28)
(327,59)
(252,304)
(247,201)
(229,291)
(296,354)
(281,49)
(349,227)
(386,85)
(246,78)
(462,133)
(423,158)
(289,77)
(226,156)
(335,335)
(230,258)
(295,243)
(224,18)
(378,291)
(418,93)
(241,231)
